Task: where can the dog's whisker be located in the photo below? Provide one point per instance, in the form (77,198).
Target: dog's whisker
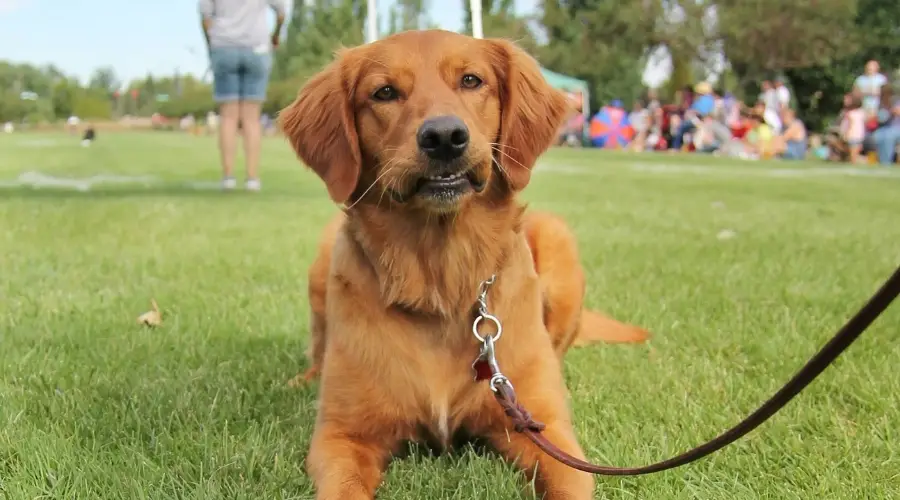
(392,160)
(499,167)
(385,189)
(388,150)
(497,144)
(369,188)
(505,154)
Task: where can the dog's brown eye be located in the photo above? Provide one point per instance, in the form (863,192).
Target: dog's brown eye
(386,93)
(471,82)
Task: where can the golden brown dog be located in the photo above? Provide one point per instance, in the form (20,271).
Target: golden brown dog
(428,136)
(554,251)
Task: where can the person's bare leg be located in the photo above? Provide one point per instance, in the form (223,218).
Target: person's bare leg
(229,113)
(779,145)
(854,153)
(252,131)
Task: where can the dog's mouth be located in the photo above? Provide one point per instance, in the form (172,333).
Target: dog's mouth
(461,181)
(448,186)
(445,187)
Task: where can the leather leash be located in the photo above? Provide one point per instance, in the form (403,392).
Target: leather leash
(486,368)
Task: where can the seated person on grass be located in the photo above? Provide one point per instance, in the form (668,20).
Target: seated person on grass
(758,140)
(886,137)
(712,135)
(818,148)
(639,118)
(701,106)
(838,149)
(791,144)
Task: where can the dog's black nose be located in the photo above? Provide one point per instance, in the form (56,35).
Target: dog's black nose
(443,137)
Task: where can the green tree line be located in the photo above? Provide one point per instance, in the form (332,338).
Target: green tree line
(819,45)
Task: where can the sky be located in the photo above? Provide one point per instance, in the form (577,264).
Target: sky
(137,37)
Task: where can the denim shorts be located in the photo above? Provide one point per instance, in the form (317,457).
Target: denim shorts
(794,150)
(240,73)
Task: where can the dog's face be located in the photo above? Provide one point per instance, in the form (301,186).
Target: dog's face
(424,119)
(427,120)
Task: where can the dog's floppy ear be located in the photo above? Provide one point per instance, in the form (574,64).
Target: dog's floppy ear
(531,111)
(321,126)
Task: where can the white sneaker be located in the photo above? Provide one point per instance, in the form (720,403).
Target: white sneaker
(253,185)
(229,183)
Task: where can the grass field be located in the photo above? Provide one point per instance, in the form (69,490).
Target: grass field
(742,270)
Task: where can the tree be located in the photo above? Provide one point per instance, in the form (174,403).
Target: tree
(12,108)
(499,20)
(295,27)
(409,14)
(26,92)
(64,94)
(682,76)
(281,94)
(104,79)
(488,8)
(819,88)
(784,35)
(92,105)
(604,42)
(54,95)
(323,27)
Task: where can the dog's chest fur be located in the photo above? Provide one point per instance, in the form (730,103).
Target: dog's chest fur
(435,267)
(435,364)
(419,301)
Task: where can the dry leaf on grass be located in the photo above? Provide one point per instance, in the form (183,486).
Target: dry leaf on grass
(152,317)
(726,234)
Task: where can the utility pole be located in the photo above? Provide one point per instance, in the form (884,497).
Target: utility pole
(477,29)
(372,21)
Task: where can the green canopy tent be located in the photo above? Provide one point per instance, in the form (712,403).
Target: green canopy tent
(569,84)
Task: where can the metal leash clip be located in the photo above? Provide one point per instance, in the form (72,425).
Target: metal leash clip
(485,366)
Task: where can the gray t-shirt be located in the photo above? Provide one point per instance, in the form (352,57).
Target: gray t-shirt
(240,23)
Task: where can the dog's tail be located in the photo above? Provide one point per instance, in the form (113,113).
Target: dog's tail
(596,327)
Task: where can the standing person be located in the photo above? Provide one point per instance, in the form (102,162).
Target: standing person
(769,97)
(853,128)
(783,95)
(240,53)
(72,124)
(869,85)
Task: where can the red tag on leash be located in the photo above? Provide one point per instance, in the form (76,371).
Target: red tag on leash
(482,370)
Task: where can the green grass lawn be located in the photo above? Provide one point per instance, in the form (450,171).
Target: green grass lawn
(94,406)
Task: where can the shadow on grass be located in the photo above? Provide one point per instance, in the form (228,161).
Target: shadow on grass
(197,405)
(135,397)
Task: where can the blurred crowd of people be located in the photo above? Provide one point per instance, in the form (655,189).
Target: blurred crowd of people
(705,120)
(708,121)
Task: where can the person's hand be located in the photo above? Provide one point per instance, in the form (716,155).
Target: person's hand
(276,40)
